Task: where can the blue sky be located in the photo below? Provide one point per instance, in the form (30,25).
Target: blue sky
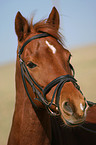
(78,22)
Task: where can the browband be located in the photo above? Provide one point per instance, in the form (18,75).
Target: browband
(33,38)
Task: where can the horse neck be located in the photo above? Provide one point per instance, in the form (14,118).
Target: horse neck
(30,126)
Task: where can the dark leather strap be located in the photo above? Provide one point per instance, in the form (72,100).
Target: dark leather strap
(33,38)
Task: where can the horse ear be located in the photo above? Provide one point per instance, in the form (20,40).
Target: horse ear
(21,26)
(53,18)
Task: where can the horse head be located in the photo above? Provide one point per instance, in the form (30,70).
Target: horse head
(46,70)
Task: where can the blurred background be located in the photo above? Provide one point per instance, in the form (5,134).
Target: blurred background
(77,24)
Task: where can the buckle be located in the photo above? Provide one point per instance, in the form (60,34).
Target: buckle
(21,61)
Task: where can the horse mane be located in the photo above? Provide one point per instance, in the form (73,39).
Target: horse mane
(43,26)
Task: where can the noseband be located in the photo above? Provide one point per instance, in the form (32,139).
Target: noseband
(39,92)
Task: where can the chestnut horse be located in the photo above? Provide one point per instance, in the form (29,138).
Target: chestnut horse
(47,95)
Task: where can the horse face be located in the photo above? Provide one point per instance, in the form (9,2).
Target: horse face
(46,59)
(49,65)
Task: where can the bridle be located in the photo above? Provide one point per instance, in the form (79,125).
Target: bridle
(39,92)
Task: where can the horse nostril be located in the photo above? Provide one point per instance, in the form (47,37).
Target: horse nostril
(67,108)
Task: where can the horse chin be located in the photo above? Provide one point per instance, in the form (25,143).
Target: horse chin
(73,123)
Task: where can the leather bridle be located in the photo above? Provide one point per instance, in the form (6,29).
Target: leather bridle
(39,92)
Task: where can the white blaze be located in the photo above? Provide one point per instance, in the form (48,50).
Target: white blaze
(81,106)
(51,47)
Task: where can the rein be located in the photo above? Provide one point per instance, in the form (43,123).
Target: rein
(41,93)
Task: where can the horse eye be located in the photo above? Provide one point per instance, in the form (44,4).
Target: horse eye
(31,64)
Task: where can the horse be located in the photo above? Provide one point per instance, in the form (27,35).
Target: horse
(49,103)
